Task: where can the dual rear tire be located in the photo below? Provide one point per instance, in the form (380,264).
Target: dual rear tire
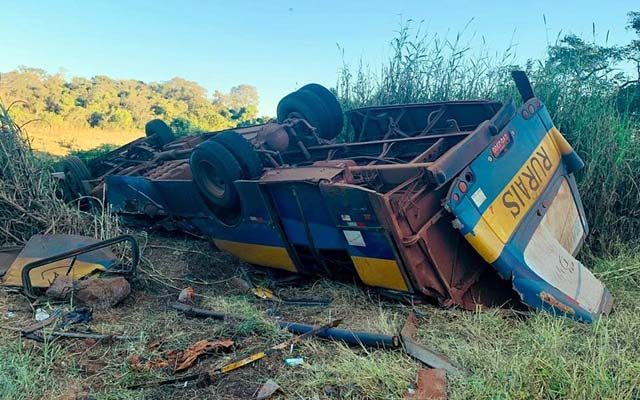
(315,104)
(217,163)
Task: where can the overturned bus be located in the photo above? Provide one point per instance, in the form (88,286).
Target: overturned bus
(464,202)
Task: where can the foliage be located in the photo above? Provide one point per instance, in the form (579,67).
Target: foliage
(103,102)
(594,104)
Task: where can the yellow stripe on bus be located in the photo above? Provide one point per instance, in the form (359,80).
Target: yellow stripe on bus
(485,241)
(563,145)
(380,272)
(516,199)
(267,256)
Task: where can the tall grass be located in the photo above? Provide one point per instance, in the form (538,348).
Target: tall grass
(28,194)
(423,67)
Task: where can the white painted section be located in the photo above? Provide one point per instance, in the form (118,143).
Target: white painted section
(478,197)
(354,238)
(563,219)
(549,253)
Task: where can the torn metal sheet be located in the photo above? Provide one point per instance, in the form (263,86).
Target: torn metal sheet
(428,357)
(232,366)
(268,389)
(43,246)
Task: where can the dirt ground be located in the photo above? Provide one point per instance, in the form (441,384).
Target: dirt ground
(170,263)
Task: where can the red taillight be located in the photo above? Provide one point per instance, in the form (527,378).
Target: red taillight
(463,187)
(501,144)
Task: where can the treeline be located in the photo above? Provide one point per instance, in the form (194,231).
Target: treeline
(103,102)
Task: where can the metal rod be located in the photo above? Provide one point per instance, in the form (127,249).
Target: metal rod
(198,312)
(350,337)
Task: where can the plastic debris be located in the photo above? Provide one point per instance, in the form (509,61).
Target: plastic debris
(234,365)
(80,315)
(293,361)
(41,315)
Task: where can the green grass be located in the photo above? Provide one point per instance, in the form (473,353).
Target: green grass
(25,373)
(508,355)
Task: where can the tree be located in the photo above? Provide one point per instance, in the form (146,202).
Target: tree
(101,102)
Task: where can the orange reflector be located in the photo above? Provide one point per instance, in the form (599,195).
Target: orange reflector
(463,187)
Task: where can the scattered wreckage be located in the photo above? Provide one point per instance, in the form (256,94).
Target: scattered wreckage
(464,202)
(57,263)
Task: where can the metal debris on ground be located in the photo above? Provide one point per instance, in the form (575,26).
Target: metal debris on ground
(181,360)
(355,338)
(431,384)
(63,258)
(428,357)
(268,389)
(198,312)
(190,355)
(232,366)
(40,323)
(40,337)
(186,295)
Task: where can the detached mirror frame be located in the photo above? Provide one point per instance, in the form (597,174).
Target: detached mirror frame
(523,84)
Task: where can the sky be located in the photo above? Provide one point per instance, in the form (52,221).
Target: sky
(276,46)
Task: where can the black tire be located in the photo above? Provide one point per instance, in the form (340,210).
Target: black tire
(163,133)
(214,171)
(330,102)
(309,106)
(243,151)
(75,172)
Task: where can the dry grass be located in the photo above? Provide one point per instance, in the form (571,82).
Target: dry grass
(28,194)
(58,141)
(509,356)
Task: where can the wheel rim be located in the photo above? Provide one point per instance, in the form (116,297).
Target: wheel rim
(211,180)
